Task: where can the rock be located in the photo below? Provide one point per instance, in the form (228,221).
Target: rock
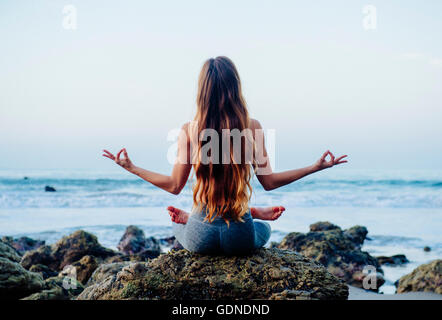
(83,268)
(43,270)
(17,282)
(182,275)
(23,244)
(337,250)
(427,249)
(55,293)
(168,242)
(139,257)
(77,245)
(358,234)
(152,244)
(42,255)
(397,259)
(273,244)
(106,270)
(176,246)
(134,242)
(8,252)
(119,257)
(137,247)
(323,226)
(66,251)
(291,295)
(171,242)
(426,277)
(144,255)
(57,288)
(50,189)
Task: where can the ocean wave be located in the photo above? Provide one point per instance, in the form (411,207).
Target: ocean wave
(109,192)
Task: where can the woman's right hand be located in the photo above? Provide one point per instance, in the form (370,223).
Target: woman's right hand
(123,162)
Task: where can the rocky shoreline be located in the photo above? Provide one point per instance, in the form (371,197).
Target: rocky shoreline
(318,265)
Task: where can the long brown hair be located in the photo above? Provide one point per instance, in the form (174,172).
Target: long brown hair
(221,189)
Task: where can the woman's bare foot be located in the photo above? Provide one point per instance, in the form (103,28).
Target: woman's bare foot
(269,213)
(178,215)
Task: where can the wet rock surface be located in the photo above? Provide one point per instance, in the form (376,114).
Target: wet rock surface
(185,275)
(426,277)
(57,288)
(278,273)
(396,260)
(43,270)
(66,251)
(134,243)
(8,252)
(81,269)
(106,270)
(41,256)
(77,245)
(339,251)
(15,281)
(23,244)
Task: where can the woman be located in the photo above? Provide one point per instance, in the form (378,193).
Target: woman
(221,221)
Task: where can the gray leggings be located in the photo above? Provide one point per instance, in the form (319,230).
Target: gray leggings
(218,238)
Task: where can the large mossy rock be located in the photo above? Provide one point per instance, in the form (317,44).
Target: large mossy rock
(57,288)
(8,252)
(66,251)
(15,281)
(185,275)
(77,245)
(41,256)
(426,277)
(339,251)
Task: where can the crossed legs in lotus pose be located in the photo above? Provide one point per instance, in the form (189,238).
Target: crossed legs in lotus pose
(268,213)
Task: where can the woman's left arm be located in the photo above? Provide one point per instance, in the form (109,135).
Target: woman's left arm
(173,183)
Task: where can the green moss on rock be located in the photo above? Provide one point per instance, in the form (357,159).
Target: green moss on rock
(426,277)
(185,275)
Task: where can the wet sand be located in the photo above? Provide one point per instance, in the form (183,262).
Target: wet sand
(361,294)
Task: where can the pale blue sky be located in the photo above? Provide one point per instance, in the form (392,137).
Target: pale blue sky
(128,74)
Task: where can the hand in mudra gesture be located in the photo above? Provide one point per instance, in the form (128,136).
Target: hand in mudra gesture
(322,163)
(123,162)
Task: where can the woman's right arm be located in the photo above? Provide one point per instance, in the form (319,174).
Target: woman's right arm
(272,180)
(172,183)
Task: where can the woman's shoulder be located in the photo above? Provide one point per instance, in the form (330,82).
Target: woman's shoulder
(255,124)
(190,128)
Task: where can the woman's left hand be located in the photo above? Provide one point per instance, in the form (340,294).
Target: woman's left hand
(323,164)
(123,162)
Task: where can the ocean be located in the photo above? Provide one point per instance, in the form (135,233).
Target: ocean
(401,209)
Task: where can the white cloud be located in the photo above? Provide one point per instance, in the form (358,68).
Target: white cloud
(422,57)
(412,56)
(436,62)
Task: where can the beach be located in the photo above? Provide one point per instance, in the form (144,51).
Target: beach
(361,294)
(396,219)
